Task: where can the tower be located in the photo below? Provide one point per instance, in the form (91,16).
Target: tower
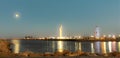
(97,32)
(60,30)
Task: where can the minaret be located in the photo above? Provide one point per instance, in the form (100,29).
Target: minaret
(60,31)
(97,32)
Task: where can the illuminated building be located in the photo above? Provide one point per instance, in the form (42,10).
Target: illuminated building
(97,33)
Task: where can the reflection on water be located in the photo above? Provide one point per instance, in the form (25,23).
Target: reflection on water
(52,46)
(60,46)
(97,47)
(103,47)
(119,46)
(92,48)
(78,46)
(16,44)
(113,46)
(109,46)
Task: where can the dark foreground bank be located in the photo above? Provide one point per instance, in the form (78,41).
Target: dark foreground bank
(5,51)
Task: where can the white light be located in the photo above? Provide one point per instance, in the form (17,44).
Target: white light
(17,15)
(91,36)
(79,36)
(109,35)
(114,36)
(104,35)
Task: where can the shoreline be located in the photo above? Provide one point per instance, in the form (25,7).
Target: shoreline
(77,40)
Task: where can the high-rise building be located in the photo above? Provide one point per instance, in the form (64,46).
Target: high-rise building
(97,32)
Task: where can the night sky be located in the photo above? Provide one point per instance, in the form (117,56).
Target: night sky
(43,17)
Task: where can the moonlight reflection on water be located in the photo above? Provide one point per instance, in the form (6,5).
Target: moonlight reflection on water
(16,46)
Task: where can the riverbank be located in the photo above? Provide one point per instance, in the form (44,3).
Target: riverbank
(5,51)
(86,39)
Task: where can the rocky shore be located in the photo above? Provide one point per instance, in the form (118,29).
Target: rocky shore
(5,51)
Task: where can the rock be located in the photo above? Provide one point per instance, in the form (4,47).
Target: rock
(48,54)
(57,53)
(91,54)
(72,54)
(26,53)
(104,54)
(35,55)
(114,54)
(77,53)
(5,46)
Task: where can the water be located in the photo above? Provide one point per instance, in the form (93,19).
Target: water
(41,46)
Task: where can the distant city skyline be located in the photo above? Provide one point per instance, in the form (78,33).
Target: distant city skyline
(43,17)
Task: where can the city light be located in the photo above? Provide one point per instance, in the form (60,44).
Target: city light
(96,36)
(113,36)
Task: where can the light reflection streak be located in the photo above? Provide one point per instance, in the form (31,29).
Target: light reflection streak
(16,44)
(76,46)
(103,47)
(80,49)
(97,47)
(109,46)
(92,48)
(113,46)
(53,46)
(60,46)
(119,46)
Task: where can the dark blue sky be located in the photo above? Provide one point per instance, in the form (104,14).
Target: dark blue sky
(43,17)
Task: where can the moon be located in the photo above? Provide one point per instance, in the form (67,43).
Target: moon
(17,15)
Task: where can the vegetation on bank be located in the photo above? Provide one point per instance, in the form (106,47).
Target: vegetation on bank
(4,48)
